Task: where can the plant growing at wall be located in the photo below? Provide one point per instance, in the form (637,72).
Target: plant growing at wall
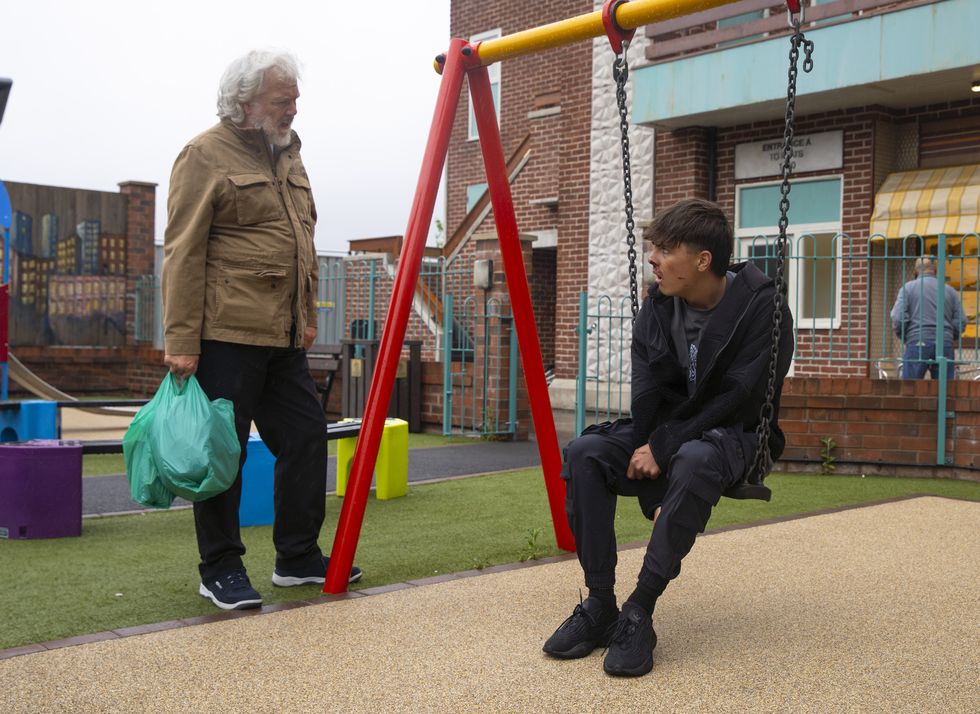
(480,562)
(827,458)
(532,548)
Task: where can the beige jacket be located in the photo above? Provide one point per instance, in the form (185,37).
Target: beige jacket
(239,260)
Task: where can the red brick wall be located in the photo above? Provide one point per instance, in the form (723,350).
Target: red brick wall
(881,426)
(559,164)
(680,166)
(357,284)
(94,370)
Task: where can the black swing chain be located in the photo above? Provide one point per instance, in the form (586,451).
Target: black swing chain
(621,75)
(763,456)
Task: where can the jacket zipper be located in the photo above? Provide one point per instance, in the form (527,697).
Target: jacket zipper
(282,199)
(721,349)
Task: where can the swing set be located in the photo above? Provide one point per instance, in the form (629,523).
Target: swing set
(617,20)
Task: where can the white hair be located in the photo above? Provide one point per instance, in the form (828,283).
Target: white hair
(243,79)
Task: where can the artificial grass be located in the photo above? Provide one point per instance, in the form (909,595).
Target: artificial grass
(140,569)
(112,464)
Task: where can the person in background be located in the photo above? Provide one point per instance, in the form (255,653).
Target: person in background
(239,283)
(914,321)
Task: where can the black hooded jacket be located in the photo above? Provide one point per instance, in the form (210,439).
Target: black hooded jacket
(732,373)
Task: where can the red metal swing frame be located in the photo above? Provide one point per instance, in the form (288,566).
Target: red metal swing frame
(618,19)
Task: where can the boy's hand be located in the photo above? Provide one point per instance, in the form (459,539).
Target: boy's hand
(643,464)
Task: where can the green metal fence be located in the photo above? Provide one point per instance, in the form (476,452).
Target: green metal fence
(331,301)
(473,337)
(148,320)
(479,368)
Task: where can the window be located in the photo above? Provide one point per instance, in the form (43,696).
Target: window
(473,194)
(814,253)
(49,235)
(814,3)
(494,73)
(740,20)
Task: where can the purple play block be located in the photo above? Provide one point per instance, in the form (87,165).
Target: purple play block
(40,489)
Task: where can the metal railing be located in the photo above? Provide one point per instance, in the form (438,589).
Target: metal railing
(841,293)
(148,320)
(750,21)
(480,370)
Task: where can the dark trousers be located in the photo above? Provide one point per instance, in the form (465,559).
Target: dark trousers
(273,387)
(920,357)
(689,487)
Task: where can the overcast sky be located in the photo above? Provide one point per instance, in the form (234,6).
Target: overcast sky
(110,91)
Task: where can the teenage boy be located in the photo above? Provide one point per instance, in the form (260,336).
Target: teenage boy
(700,361)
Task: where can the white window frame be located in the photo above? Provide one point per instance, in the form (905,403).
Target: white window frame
(493,72)
(745,237)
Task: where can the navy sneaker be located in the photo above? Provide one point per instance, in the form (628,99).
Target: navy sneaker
(231,591)
(589,626)
(631,649)
(313,574)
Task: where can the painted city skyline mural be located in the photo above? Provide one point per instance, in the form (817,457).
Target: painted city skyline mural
(67,266)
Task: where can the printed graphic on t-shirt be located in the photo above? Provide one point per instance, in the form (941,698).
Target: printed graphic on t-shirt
(692,369)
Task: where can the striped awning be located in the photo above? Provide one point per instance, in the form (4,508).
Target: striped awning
(928,202)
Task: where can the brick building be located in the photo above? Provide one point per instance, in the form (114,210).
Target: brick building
(880,102)
(887,168)
(888,148)
(544,112)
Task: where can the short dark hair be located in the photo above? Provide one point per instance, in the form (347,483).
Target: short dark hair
(698,224)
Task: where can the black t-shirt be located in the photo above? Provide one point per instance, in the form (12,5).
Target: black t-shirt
(686,328)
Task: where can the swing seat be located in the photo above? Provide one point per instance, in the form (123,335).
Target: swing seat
(744,490)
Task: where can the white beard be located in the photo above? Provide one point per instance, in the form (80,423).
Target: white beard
(276,135)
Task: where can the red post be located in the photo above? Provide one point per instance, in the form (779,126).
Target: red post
(520,296)
(393,335)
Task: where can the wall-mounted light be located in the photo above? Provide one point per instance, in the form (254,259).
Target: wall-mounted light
(483,274)
(975,87)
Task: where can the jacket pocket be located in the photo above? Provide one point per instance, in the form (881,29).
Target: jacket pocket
(302,195)
(256,200)
(252,298)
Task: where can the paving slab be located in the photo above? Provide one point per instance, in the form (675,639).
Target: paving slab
(865,610)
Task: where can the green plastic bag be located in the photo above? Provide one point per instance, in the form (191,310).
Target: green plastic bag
(145,486)
(193,441)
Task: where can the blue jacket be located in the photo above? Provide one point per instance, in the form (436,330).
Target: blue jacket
(914,313)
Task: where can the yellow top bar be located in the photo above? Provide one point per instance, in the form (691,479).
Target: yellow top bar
(629,16)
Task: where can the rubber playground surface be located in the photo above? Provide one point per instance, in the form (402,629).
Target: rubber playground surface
(874,608)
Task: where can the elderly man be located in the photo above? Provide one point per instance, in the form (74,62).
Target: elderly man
(239,285)
(914,319)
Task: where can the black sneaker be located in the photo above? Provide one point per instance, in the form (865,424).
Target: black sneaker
(631,648)
(315,573)
(589,626)
(231,591)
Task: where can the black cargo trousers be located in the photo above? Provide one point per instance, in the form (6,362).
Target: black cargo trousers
(689,486)
(273,387)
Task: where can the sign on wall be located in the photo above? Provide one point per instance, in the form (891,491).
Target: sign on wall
(811,152)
